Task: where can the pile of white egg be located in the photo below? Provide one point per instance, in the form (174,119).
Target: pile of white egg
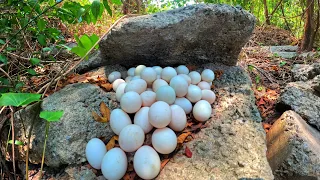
(160,98)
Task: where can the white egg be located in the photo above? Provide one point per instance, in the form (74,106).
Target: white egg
(138,70)
(185,104)
(130,102)
(178,118)
(186,77)
(194,93)
(158,76)
(164,140)
(204,85)
(202,110)
(168,73)
(180,86)
(130,71)
(166,94)
(135,77)
(209,96)
(158,69)
(207,75)
(128,79)
(113,76)
(182,69)
(114,164)
(146,162)
(195,77)
(95,150)
(148,74)
(116,83)
(118,120)
(141,119)
(159,114)
(158,83)
(131,138)
(148,98)
(137,85)
(120,91)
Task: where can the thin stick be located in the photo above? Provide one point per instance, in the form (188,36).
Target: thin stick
(5,73)
(13,143)
(28,146)
(262,72)
(44,147)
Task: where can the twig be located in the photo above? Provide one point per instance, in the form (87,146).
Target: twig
(25,26)
(44,147)
(262,72)
(13,143)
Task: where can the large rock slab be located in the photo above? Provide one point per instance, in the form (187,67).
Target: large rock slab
(233,145)
(195,34)
(293,148)
(67,138)
(304,99)
(304,72)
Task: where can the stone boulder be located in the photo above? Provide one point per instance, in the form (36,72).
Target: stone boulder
(304,99)
(67,138)
(293,148)
(233,145)
(196,34)
(304,72)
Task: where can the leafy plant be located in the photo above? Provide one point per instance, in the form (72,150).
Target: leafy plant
(282,63)
(85,44)
(18,99)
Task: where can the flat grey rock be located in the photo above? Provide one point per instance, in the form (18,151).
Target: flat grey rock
(283,48)
(293,148)
(302,98)
(286,55)
(233,145)
(196,34)
(304,72)
(67,138)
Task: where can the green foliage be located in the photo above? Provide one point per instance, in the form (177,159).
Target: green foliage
(35,61)
(282,63)
(85,43)
(18,99)
(51,116)
(16,142)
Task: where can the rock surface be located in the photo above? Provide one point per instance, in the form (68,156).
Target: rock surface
(67,138)
(233,145)
(304,72)
(293,148)
(287,52)
(195,34)
(303,98)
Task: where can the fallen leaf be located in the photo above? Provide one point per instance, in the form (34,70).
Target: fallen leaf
(218,74)
(112,142)
(129,176)
(105,111)
(163,163)
(107,86)
(260,102)
(98,118)
(183,137)
(188,152)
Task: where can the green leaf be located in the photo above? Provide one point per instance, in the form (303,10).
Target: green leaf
(86,42)
(51,116)
(95,8)
(260,88)
(106,5)
(94,38)
(79,51)
(18,99)
(32,72)
(42,39)
(35,61)
(16,142)
(117,2)
(46,49)
(282,63)
(250,68)
(3,59)
(2,41)
(41,24)
(78,41)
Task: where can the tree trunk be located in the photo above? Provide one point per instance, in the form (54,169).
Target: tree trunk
(308,39)
(266,14)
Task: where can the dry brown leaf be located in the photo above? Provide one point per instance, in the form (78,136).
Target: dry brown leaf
(112,142)
(183,137)
(163,163)
(107,86)
(98,118)
(129,176)
(105,111)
